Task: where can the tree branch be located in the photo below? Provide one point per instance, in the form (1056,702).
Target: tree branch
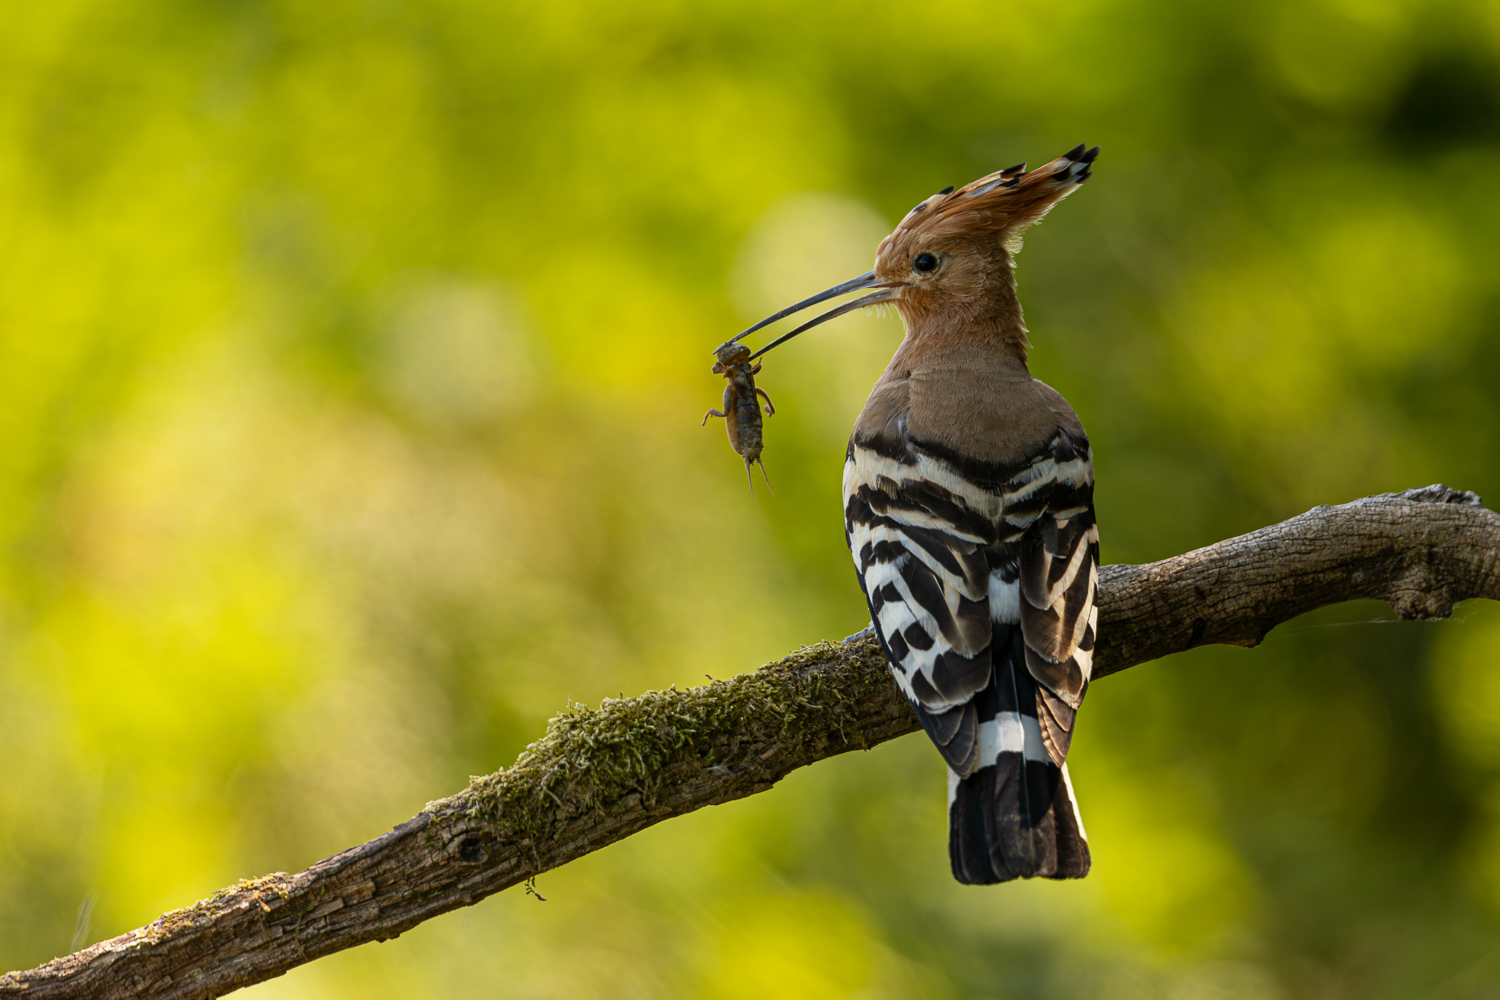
(599,776)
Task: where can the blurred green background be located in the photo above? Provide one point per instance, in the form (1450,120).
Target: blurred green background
(351,362)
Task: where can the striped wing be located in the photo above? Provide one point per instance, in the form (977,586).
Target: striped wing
(1059,575)
(1052,502)
(926,578)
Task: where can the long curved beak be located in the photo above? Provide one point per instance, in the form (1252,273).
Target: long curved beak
(881,293)
(873,299)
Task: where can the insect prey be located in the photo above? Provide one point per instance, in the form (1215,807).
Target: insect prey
(741,411)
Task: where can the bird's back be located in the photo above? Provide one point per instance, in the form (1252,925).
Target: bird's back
(968,510)
(979,404)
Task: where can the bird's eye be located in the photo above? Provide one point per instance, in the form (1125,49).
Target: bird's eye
(925,262)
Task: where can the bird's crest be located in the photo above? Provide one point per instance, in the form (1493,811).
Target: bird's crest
(1005,202)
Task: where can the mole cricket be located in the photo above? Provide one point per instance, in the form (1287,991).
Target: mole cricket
(741,411)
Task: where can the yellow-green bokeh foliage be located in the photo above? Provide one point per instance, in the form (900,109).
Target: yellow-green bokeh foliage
(351,361)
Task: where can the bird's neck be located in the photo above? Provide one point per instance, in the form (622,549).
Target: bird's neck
(989,321)
(1000,340)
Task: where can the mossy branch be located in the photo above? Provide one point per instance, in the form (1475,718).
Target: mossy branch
(600,775)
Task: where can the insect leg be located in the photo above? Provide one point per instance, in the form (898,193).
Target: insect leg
(770,410)
(711,413)
(765,477)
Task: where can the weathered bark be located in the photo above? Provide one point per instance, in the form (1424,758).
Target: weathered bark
(598,776)
(1421,552)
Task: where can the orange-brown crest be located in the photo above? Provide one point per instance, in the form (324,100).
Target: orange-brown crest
(955,247)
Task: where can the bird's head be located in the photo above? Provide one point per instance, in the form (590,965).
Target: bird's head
(951,255)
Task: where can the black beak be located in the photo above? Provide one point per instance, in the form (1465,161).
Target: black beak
(882,293)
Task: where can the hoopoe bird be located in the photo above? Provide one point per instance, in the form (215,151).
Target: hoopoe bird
(968,508)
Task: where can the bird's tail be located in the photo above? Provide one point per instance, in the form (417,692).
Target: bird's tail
(1015,816)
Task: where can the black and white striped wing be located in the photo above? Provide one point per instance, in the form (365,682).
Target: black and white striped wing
(1052,505)
(920,555)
